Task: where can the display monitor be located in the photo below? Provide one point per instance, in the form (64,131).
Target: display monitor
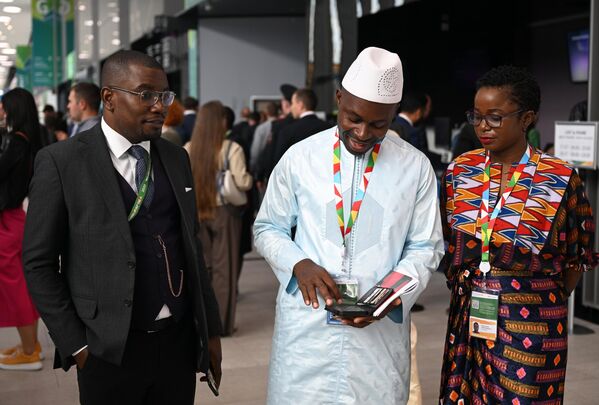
(578,50)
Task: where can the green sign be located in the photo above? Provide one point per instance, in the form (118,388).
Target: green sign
(192,62)
(23,65)
(52,39)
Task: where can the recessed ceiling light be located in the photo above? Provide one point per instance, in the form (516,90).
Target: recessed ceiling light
(89,23)
(9,51)
(6,63)
(5,19)
(4,57)
(81,7)
(12,9)
(9,27)
(4,44)
(116,19)
(116,42)
(6,1)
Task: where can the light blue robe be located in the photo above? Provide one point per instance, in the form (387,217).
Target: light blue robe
(398,227)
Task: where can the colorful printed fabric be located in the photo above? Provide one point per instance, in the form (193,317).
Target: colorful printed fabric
(527,362)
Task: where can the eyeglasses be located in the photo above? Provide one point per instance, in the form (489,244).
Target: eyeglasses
(492,120)
(149,97)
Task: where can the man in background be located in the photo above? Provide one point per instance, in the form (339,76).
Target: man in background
(83,107)
(303,104)
(189,119)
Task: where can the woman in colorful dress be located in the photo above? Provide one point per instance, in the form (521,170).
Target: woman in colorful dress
(520,234)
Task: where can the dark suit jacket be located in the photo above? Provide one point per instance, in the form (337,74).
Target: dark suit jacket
(266,161)
(78,251)
(403,128)
(298,131)
(186,128)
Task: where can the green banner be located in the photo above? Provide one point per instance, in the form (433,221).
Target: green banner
(23,65)
(52,38)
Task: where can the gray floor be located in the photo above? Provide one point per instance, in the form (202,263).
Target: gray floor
(245,364)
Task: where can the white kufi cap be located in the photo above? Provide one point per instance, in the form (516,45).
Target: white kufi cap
(376,75)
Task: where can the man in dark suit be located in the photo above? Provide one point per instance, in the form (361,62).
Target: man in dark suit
(111,253)
(266,161)
(411,113)
(189,119)
(303,104)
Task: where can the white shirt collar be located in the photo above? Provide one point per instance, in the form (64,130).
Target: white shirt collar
(117,143)
(305,113)
(405,117)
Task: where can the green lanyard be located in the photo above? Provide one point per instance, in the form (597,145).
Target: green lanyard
(141,193)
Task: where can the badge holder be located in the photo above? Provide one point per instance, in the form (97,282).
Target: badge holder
(484,309)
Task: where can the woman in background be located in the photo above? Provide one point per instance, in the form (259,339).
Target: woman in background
(220,232)
(174,118)
(520,234)
(17,151)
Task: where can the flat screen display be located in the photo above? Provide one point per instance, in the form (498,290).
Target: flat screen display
(578,48)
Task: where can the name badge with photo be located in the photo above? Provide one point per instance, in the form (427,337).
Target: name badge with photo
(484,309)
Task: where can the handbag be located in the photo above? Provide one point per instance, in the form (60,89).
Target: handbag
(227,189)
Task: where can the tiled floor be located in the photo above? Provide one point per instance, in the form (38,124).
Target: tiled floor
(245,363)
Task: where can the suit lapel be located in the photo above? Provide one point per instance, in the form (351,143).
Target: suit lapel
(175,177)
(96,151)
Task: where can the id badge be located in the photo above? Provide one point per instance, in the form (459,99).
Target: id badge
(484,310)
(348,288)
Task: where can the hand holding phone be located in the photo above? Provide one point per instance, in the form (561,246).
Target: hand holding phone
(212,382)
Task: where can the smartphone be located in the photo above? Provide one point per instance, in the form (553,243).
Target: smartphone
(212,381)
(350,310)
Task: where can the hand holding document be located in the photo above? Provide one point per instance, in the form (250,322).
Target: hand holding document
(378,298)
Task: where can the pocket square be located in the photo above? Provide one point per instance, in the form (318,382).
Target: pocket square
(187,189)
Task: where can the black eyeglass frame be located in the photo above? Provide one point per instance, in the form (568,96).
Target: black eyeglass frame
(157,95)
(474,122)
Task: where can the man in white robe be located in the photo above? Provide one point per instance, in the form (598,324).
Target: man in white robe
(366,360)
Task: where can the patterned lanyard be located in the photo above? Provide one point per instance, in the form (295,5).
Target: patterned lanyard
(486,224)
(141,194)
(355,208)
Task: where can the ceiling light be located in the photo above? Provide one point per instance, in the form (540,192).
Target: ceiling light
(6,1)
(81,7)
(12,9)
(4,45)
(111,4)
(116,19)
(5,19)
(9,51)
(4,57)
(9,27)
(6,63)
(88,23)
(116,42)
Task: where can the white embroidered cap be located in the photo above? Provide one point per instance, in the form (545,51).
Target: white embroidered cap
(376,75)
